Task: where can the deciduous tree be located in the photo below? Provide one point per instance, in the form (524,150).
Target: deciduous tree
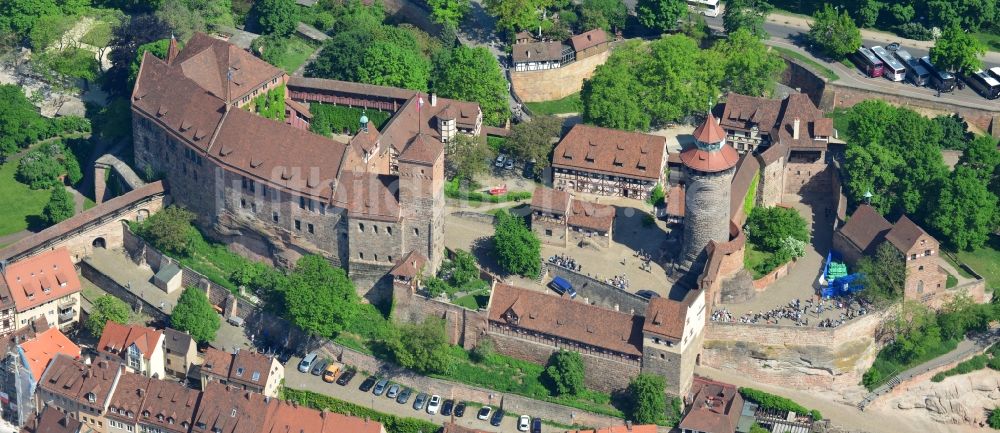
(518,249)
(127,37)
(834,33)
(275,17)
(515,15)
(768,227)
(106,309)
(448,13)
(883,274)
(982,156)
(533,141)
(748,15)
(965,211)
(59,208)
(751,68)
(680,79)
(606,14)
(473,74)
(195,315)
(470,156)
(169,229)
(660,15)
(319,298)
(565,370)
(423,347)
(612,96)
(647,395)
(388,64)
(957,50)
(20,16)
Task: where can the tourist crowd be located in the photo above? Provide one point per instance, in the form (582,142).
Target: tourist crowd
(838,310)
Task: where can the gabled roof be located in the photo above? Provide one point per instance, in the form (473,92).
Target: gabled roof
(40,350)
(176,341)
(170,405)
(285,417)
(588,39)
(369,195)
(117,338)
(537,52)
(715,407)
(568,319)
(593,216)
(77,381)
(550,200)
(51,420)
(905,234)
(865,228)
(129,395)
(43,278)
(244,366)
(611,151)
(207,61)
(665,317)
(675,201)
(743,112)
(409,266)
(228,410)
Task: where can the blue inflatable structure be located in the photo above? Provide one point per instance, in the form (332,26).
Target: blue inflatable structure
(837,282)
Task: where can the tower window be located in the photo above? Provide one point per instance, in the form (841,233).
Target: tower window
(388,231)
(311,230)
(416,231)
(298,224)
(361,227)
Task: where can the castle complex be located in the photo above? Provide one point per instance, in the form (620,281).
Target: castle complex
(275,191)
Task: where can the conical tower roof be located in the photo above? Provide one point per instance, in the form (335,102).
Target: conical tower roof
(710,131)
(710,153)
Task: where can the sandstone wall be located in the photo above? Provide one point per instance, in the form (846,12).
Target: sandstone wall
(464,326)
(798,357)
(761,283)
(805,178)
(550,84)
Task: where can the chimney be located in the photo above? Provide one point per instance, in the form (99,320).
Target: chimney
(434,99)
(795,129)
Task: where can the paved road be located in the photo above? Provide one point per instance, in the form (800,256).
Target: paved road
(351,393)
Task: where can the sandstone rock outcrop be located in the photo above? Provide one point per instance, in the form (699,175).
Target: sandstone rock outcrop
(961,399)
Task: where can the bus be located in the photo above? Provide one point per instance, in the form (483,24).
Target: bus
(894,70)
(708,8)
(916,72)
(867,61)
(944,81)
(984,84)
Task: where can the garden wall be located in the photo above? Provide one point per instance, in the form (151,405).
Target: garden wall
(551,84)
(761,283)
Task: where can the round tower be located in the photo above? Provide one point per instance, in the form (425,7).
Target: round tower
(708,170)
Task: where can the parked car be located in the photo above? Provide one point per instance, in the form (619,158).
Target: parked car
(497,418)
(380,387)
(509,164)
(393,391)
(434,404)
(319,367)
(561,286)
(404,396)
(331,370)
(523,422)
(484,413)
(346,377)
(648,294)
(418,403)
(892,47)
(307,362)
(447,406)
(501,158)
(368,383)
(460,409)
(536,425)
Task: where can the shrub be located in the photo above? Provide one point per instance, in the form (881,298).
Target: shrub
(771,401)
(914,30)
(484,348)
(565,370)
(453,189)
(169,230)
(975,363)
(329,119)
(656,196)
(59,208)
(994,418)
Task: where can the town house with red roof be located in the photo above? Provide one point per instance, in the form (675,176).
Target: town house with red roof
(44,285)
(245,369)
(560,219)
(611,162)
(275,191)
(139,348)
(80,389)
(34,347)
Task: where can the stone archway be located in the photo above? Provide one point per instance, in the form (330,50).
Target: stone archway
(99,243)
(142,215)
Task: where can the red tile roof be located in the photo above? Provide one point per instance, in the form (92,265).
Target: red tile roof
(537,52)
(566,318)
(743,112)
(905,234)
(709,131)
(52,420)
(207,61)
(665,317)
(593,216)
(611,151)
(285,417)
(865,228)
(76,381)
(422,148)
(170,406)
(588,39)
(243,366)
(409,266)
(117,338)
(227,410)
(43,278)
(715,407)
(550,200)
(675,201)
(643,428)
(710,161)
(128,397)
(40,350)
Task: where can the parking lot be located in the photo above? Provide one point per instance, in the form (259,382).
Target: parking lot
(306,381)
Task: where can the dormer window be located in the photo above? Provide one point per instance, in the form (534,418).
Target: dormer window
(239,371)
(91,397)
(233,414)
(256,376)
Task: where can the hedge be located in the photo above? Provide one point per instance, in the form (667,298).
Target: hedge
(776,402)
(453,190)
(392,423)
(329,119)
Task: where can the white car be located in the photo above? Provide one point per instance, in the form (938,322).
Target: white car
(434,404)
(484,413)
(500,160)
(523,422)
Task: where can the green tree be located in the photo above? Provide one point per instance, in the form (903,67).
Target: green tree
(981,155)
(49,29)
(158,48)
(994,419)
(448,13)
(533,141)
(751,68)
(20,16)
(954,132)
(657,195)
(680,79)
(883,274)
(957,50)
(169,230)
(756,428)
(768,227)
(966,211)
(20,123)
(747,15)
(59,208)
(515,15)
(648,398)
(473,74)
(518,250)
(834,33)
(661,15)
(463,268)
(868,12)
(275,17)
(470,156)
(107,308)
(388,64)
(611,97)
(319,298)
(195,315)
(423,347)
(565,371)
(606,14)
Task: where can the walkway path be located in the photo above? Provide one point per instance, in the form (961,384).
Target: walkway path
(965,349)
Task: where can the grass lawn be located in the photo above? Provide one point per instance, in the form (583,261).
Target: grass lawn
(827,72)
(985,261)
(569,104)
(295,55)
(19,202)
(473,301)
(991,40)
(839,116)
(753,258)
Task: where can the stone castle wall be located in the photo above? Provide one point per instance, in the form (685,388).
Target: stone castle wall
(797,357)
(808,178)
(598,293)
(464,326)
(550,84)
